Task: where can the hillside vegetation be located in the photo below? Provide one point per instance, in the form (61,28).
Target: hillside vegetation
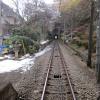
(75,18)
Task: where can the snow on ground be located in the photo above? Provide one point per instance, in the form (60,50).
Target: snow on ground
(25,62)
(1,58)
(44,42)
(6,57)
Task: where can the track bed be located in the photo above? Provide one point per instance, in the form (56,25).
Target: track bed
(58,85)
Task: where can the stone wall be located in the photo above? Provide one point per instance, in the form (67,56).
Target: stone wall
(8,93)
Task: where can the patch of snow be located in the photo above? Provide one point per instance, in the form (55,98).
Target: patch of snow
(42,52)
(44,42)
(24,63)
(8,65)
(5,57)
(1,58)
(8,56)
(25,56)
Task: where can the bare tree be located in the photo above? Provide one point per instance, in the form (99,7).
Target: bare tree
(38,16)
(16,3)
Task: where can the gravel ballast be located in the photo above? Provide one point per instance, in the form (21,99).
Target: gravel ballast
(83,77)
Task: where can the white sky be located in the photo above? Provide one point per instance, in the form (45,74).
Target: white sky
(49,1)
(10,3)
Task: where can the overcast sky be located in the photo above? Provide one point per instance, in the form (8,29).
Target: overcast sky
(10,3)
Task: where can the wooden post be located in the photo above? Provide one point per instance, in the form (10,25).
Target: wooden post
(16,54)
(90,44)
(16,49)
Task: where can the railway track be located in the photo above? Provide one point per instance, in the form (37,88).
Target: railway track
(58,85)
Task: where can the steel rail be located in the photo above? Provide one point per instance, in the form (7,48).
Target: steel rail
(69,81)
(45,85)
(66,72)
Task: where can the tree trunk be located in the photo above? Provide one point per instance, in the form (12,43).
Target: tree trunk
(24,47)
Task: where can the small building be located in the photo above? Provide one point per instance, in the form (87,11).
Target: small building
(8,18)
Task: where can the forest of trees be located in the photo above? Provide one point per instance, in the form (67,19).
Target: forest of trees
(79,20)
(36,18)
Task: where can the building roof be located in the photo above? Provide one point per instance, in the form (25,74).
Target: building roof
(6,10)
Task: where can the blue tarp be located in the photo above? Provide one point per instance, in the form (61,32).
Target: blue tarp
(2,47)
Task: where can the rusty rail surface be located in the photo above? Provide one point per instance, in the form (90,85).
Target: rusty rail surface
(67,74)
(73,95)
(46,80)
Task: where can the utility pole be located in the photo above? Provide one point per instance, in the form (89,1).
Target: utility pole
(90,44)
(72,26)
(64,29)
(0,17)
(0,24)
(98,44)
(60,3)
(98,50)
